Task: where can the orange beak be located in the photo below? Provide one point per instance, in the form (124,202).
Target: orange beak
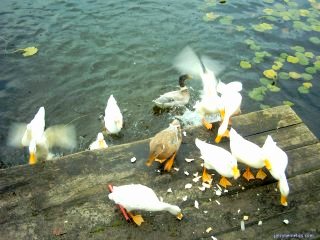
(32,158)
(218,139)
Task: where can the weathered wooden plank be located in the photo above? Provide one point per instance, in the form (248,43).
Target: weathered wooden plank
(37,200)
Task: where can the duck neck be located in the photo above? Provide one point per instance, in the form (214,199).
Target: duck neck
(174,210)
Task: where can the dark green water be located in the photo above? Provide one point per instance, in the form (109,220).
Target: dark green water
(89,50)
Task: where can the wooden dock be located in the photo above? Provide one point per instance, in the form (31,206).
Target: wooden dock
(67,198)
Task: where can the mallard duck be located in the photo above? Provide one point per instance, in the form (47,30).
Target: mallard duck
(41,140)
(247,153)
(99,143)
(165,145)
(231,100)
(177,98)
(139,197)
(276,162)
(218,159)
(113,119)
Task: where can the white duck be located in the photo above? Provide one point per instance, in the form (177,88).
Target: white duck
(113,119)
(276,162)
(41,141)
(177,98)
(139,197)
(210,102)
(99,143)
(188,61)
(231,100)
(218,159)
(247,153)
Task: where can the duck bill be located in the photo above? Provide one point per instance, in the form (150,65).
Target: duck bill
(235,172)
(218,139)
(32,158)
(267,164)
(179,216)
(284,201)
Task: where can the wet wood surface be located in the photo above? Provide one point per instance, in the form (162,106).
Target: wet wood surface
(68,198)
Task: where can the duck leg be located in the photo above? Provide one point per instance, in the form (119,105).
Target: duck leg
(261,174)
(206,124)
(136,218)
(205,176)
(248,174)
(169,163)
(224,182)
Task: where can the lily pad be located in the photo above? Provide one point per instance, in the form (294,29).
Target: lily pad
(304,12)
(227,20)
(240,28)
(292,59)
(307,84)
(309,54)
(317,64)
(306,76)
(298,48)
(27,52)
(265,81)
(258,93)
(303,60)
(268,11)
(277,65)
(288,103)
(314,40)
(284,75)
(273,88)
(284,55)
(268,1)
(311,70)
(264,106)
(245,64)
(262,27)
(298,25)
(294,75)
(210,16)
(270,73)
(302,89)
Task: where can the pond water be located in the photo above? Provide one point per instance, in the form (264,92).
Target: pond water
(89,50)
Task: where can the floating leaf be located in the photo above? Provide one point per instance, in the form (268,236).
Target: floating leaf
(309,54)
(257,60)
(284,55)
(273,88)
(303,60)
(258,93)
(245,64)
(311,70)
(292,59)
(303,89)
(317,64)
(314,40)
(268,1)
(277,65)
(268,11)
(264,106)
(298,48)
(288,103)
(262,27)
(227,20)
(284,75)
(304,12)
(266,81)
(307,84)
(270,73)
(294,75)
(240,28)
(255,47)
(249,41)
(315,28)
(301,26)
(306,76)
(29,51)
(210,16)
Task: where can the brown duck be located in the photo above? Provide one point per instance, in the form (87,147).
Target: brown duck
(165,145)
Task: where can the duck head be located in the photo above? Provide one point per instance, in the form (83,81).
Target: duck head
(182,79)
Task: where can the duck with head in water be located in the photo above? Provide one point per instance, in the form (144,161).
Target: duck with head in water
(178,98)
